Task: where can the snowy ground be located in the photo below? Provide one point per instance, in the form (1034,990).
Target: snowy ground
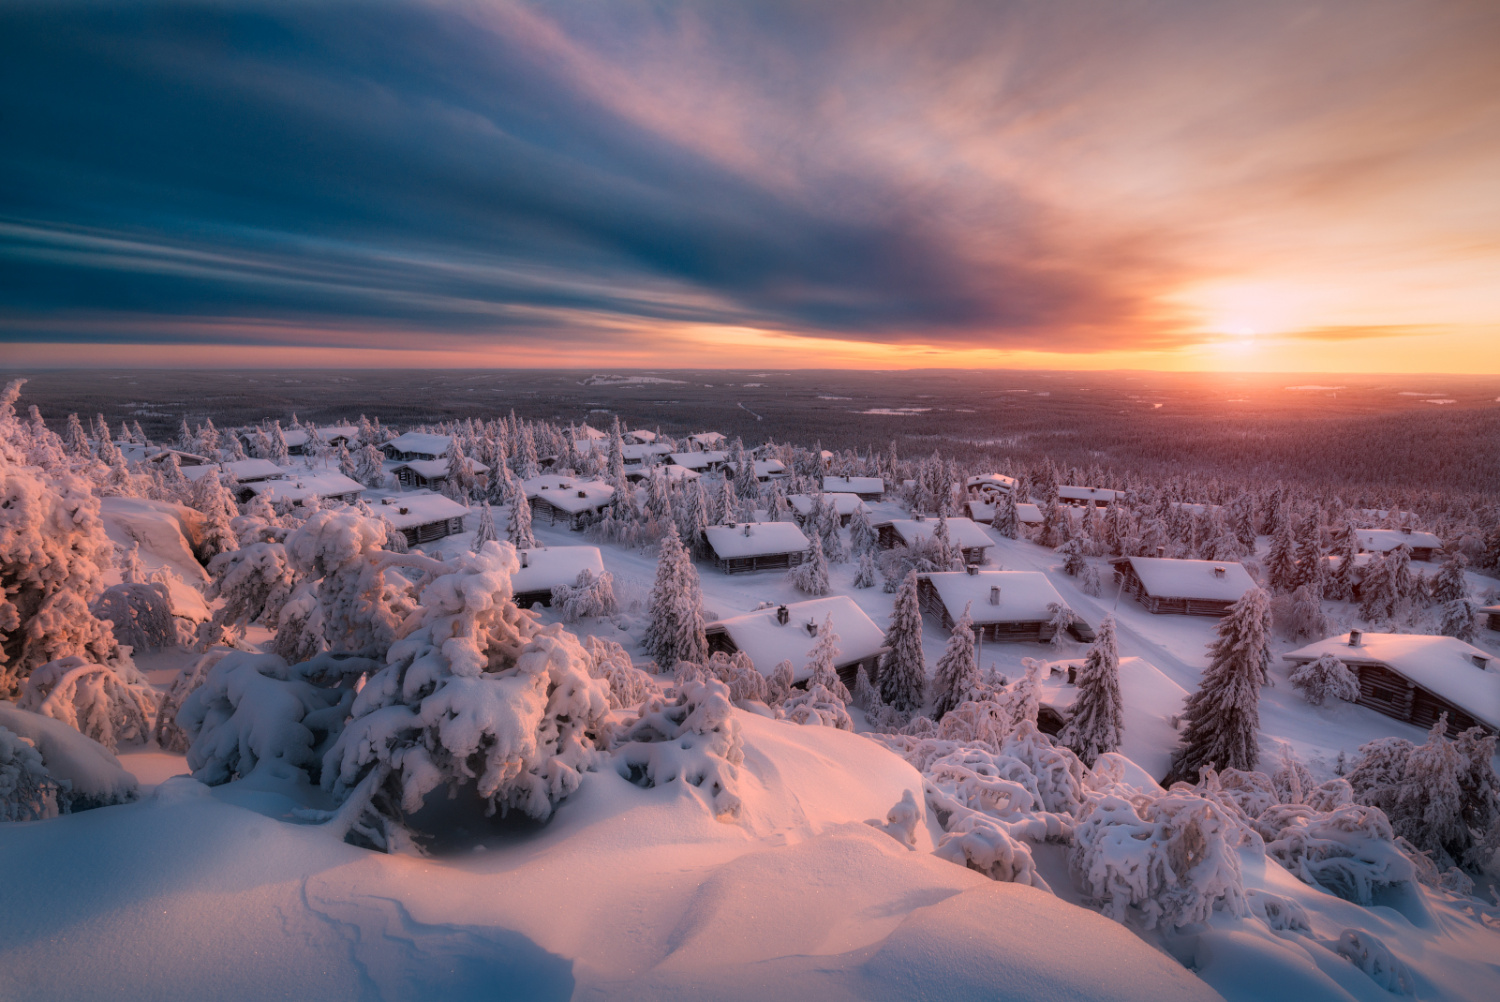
(195,893)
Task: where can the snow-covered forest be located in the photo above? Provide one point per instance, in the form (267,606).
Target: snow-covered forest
(498,707)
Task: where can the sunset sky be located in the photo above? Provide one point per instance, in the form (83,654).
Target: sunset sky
(1185,184)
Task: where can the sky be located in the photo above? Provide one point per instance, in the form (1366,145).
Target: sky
(1158,184)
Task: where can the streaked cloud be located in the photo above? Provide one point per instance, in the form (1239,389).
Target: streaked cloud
(978,181)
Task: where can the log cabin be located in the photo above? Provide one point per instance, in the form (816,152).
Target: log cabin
(788,633)
(756,546)
(1416,677)
(1184,587)
(1004,605)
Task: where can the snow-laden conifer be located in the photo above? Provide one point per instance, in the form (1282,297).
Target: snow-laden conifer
(519,532)
(476,698)
(675,629)
(811,576)
(863,539)
(1223,716)
(27,790)
(1324,679)
(903,670)
(866,576)
(956,677)
(822,659)
(588,596)
(1281,561)
(484,532)
(1097,722)
(109,702)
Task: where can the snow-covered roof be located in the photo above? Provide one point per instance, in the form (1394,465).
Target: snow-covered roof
(638,452)
(844,504)
(585,434)
(984,511)
(762,539)
(1165,577)
(769,642)
(407,511)
(854,485)
(1089,494)
(698,460)
(304,486)
(432,469)
(639,435)
(1386,540)
(334,431)
(184,459)
(764,468)
(543,567)
(1024,595)
(421,442)
(569,494)
(992,481)
(1150,699)
(245,470)
(673,473)
(707,438)
(295,437)
(1443,665)
(963,532)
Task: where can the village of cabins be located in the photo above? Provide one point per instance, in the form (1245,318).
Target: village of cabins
(764,506)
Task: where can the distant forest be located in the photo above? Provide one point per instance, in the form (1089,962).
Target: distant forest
(1409,439)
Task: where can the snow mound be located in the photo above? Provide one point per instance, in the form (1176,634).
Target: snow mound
(96,776)
(164,530)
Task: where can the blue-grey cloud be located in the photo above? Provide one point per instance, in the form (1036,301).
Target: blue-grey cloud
(486,169)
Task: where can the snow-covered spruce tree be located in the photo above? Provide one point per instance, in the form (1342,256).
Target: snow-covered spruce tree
(519,532)
(865,695)
(1377,590)
(956,678)
(141,615)
(1428,808)
(588,596)
(1223,716)
(485,531)
(1339,585)
(1056,525)
(903,670)
(362,607)
(1281,561)
(1074,562)
(822,659)
(1005,520)
(1310,565)
(1097,723)
(1323,679)
(1300,614)
(254,582)
(779,685)
(476,698)
(811,576)
(816,706)
(27,790)
(109,702)
(675,629)
(369,465)
(52,553)
(1091,584)
(863,539)
(1459,619)
(866,576)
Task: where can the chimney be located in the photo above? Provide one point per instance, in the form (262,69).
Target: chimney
(1480,661)
(1219,572)
(812,627)
(973,569)
(994,594)
(782,615)
(583,494)
(1161,551)
(1354,638)
(404,510)
(525,559)
(1406,530)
